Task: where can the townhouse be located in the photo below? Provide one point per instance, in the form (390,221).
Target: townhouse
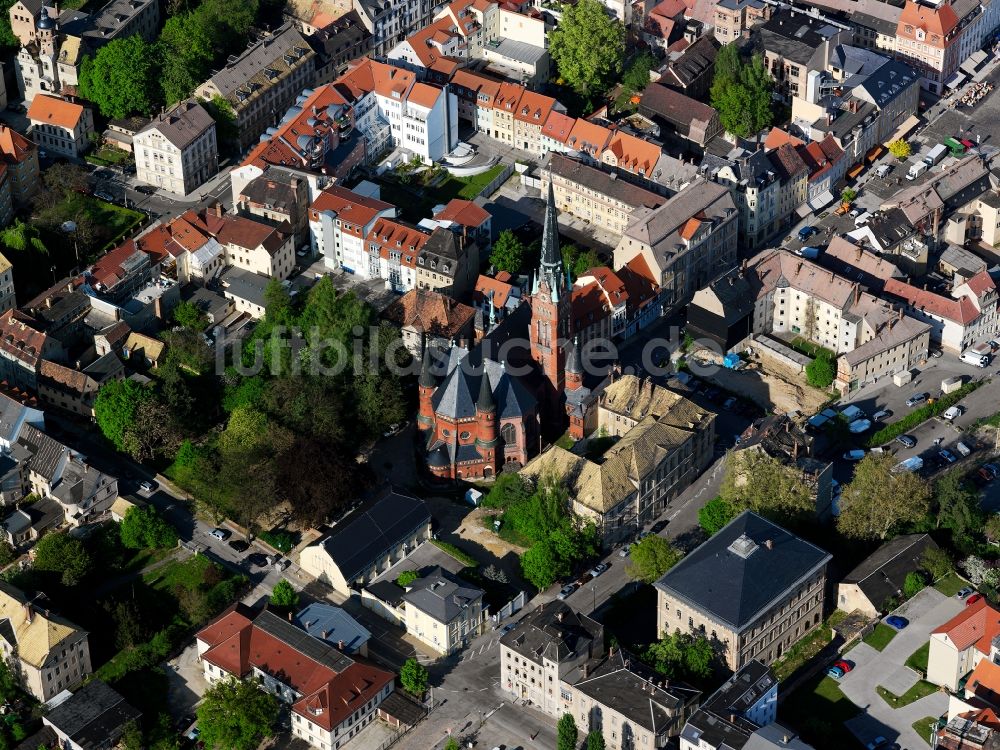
(7,300)
(337,43)
(21,158)
(686,242)
(177,151)
(447,263)
(425,317)
(392,252)
(263,81)
(756,188)
(734,18)
(332,696)
(60,126)
(960,644)
(795,44)
(468,219)
(277,196)
(22,349)
(728,718)
(768,592)
(75,389)
(340,222)
(691,72)
(51,653)
(556,660)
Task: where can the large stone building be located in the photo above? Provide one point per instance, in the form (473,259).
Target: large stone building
(753,589)
(177,151)
(688,241)
(263,81)
(60,126)
(727,719)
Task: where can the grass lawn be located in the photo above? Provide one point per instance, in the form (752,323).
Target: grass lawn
(804,346)
(921,689)
(803,651)
(950,584)
(836,618)
(923,728)
(416,202)
(918,659)
(109,155)
(879,638)
(187,573)
(821,699)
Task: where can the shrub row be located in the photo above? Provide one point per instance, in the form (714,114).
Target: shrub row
(917,416)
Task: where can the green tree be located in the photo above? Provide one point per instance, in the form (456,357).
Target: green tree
(20,236)
(937,562)
(115,409)
(992,529)
(636,78)
(588,47)
(61,553)
(131,737)
(900,149)
(189,316)
(756,481)
(715,514)
(566,733)
(878,500)
(143,528)
(413,676)
(595,740)
(509,488)
(186,49)
(847,195)
(451,744)
(741,92)
(284,595)
(651,557)
(957,504)
(540,565)
(226,129)
(122,78)
(681,656)
(407,577)
(236,715)
(8,41)
(7,554)
(820,372)
(507,253)
(913,584)
(579,261)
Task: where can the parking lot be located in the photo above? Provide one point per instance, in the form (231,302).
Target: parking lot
(926,611)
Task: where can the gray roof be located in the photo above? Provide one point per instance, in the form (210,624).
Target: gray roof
(374,529)
(743,570)
(674,107)
(959,258)
(889,82)
(638,693)
(441,596)
(110,19)
(273,188)
(520,51)
(457,394)
(605,183)
(332,625)
(693,62)
(882,573)
(720,721)
(46,453)
(301,641)
(79,481)
(268,53)
(213,304)
(775,737)
(245,285)
(795,36)
(94,716)
(14,414)
(183,124)
(555,632)
(442,247)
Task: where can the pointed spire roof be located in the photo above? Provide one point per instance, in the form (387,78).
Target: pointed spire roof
(573,363)
(551,268)
(427,379)
(486,401)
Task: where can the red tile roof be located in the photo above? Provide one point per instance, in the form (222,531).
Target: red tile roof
(351,208)
(54,111)
(14,146)
(976,625)
(639,282)
(534,108)
(485,284)
(464,212)
(558,127)
(981,283)
(429,311)
(634,154)
(777,137)
(19,339)
(250,234)
(937,22)
(984,682)
(962,310)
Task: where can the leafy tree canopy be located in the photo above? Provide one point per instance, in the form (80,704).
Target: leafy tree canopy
(651,557)
(122,78)
(756,481)
(143,528)
(414,677)
(878,500)
(63,554)
(680,655)
(566,733)
(715,514)
(588,47)
(507,253)
(741,92)
(937,562)
(900,149)
(188,315)
(595,740)
(820,372)
(284,595)
(116,406)
(236,715)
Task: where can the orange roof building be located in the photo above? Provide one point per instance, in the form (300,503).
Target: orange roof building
(60,126)
(957,646)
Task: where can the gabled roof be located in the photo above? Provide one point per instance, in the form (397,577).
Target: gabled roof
(92,715)
(559,126)
(374,529)
(975,626)
(182,125)
(984,682)
(36,632)
(14,146)
(962,311)
(463,212)
(881,575)
(937,22)
(743,570)
(50,110)
(429,312)
(350,207)
(455,398)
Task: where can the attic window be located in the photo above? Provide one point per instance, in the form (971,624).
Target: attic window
(743,546)
(316,710)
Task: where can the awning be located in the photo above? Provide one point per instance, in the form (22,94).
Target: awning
(874,154)
(956,80)
(855,171)
(822,200)
(905,129)
(804,210)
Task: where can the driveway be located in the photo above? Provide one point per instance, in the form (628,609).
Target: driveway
(926,611)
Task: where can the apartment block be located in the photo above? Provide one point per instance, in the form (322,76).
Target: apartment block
(21,157)
(340,221)
(60,126)
(177,151)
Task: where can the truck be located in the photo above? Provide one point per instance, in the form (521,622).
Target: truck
(915,463)
(956,148)
(935,155)
(972,357)
(812,253)
(917,169)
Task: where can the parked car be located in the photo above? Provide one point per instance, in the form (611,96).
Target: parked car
(989,472)
(973,599)
(239,546)
(257,559)
(729,403)
(854,455)
(584,579)
(221,534)
(659,526)
(835,672)
(859,425)
(598,569)
(878,742)
(565,591)
(947,455)
(806,232)
(917,398)
(882,414)
(936,353)
(964,592)
(906,440)
(994,345)
(106,197)
(146,487)
(507,628)
(897,622)
(623,552)
(843,664)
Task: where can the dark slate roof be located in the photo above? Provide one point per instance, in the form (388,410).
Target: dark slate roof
(333,625)
(890,81)
(92,716)
(735,294)
(720,721)
(274,188)
(735,576)
(387,591)
(881,574)
(693,62)
(674,107)
(441,596)
(638,693)
(46,452)
(555,632)
(459,391)
(795,36)
(372,530)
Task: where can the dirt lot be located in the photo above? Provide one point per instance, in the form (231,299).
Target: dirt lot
(769,387)
(473,530)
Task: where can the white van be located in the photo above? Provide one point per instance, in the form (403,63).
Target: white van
(916,170)
(975,358)
(952,412)
(883,170)
(862,220)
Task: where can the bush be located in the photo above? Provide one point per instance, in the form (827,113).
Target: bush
(407,577)
(451,549)
(913,584)
(918,416)
(283,541)
(820,372)
(413,676)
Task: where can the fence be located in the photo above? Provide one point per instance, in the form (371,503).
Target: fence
(499,180)
(514,605)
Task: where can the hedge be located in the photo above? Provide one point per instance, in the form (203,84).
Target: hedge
(917,416)
(451,549)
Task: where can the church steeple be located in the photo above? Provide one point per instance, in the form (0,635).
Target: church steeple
(550,271)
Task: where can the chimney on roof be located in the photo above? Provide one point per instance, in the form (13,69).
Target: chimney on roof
(732,717)
(218,209)
(325,634)
(289,616)
(28,612)
(559,617)
(48,302)
(769,543)
(341,644)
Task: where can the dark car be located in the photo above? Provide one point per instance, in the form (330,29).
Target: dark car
(145,189)
(659,526)
(906,440)
(238,545)
(257,559)
(897,622)
(806,232)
